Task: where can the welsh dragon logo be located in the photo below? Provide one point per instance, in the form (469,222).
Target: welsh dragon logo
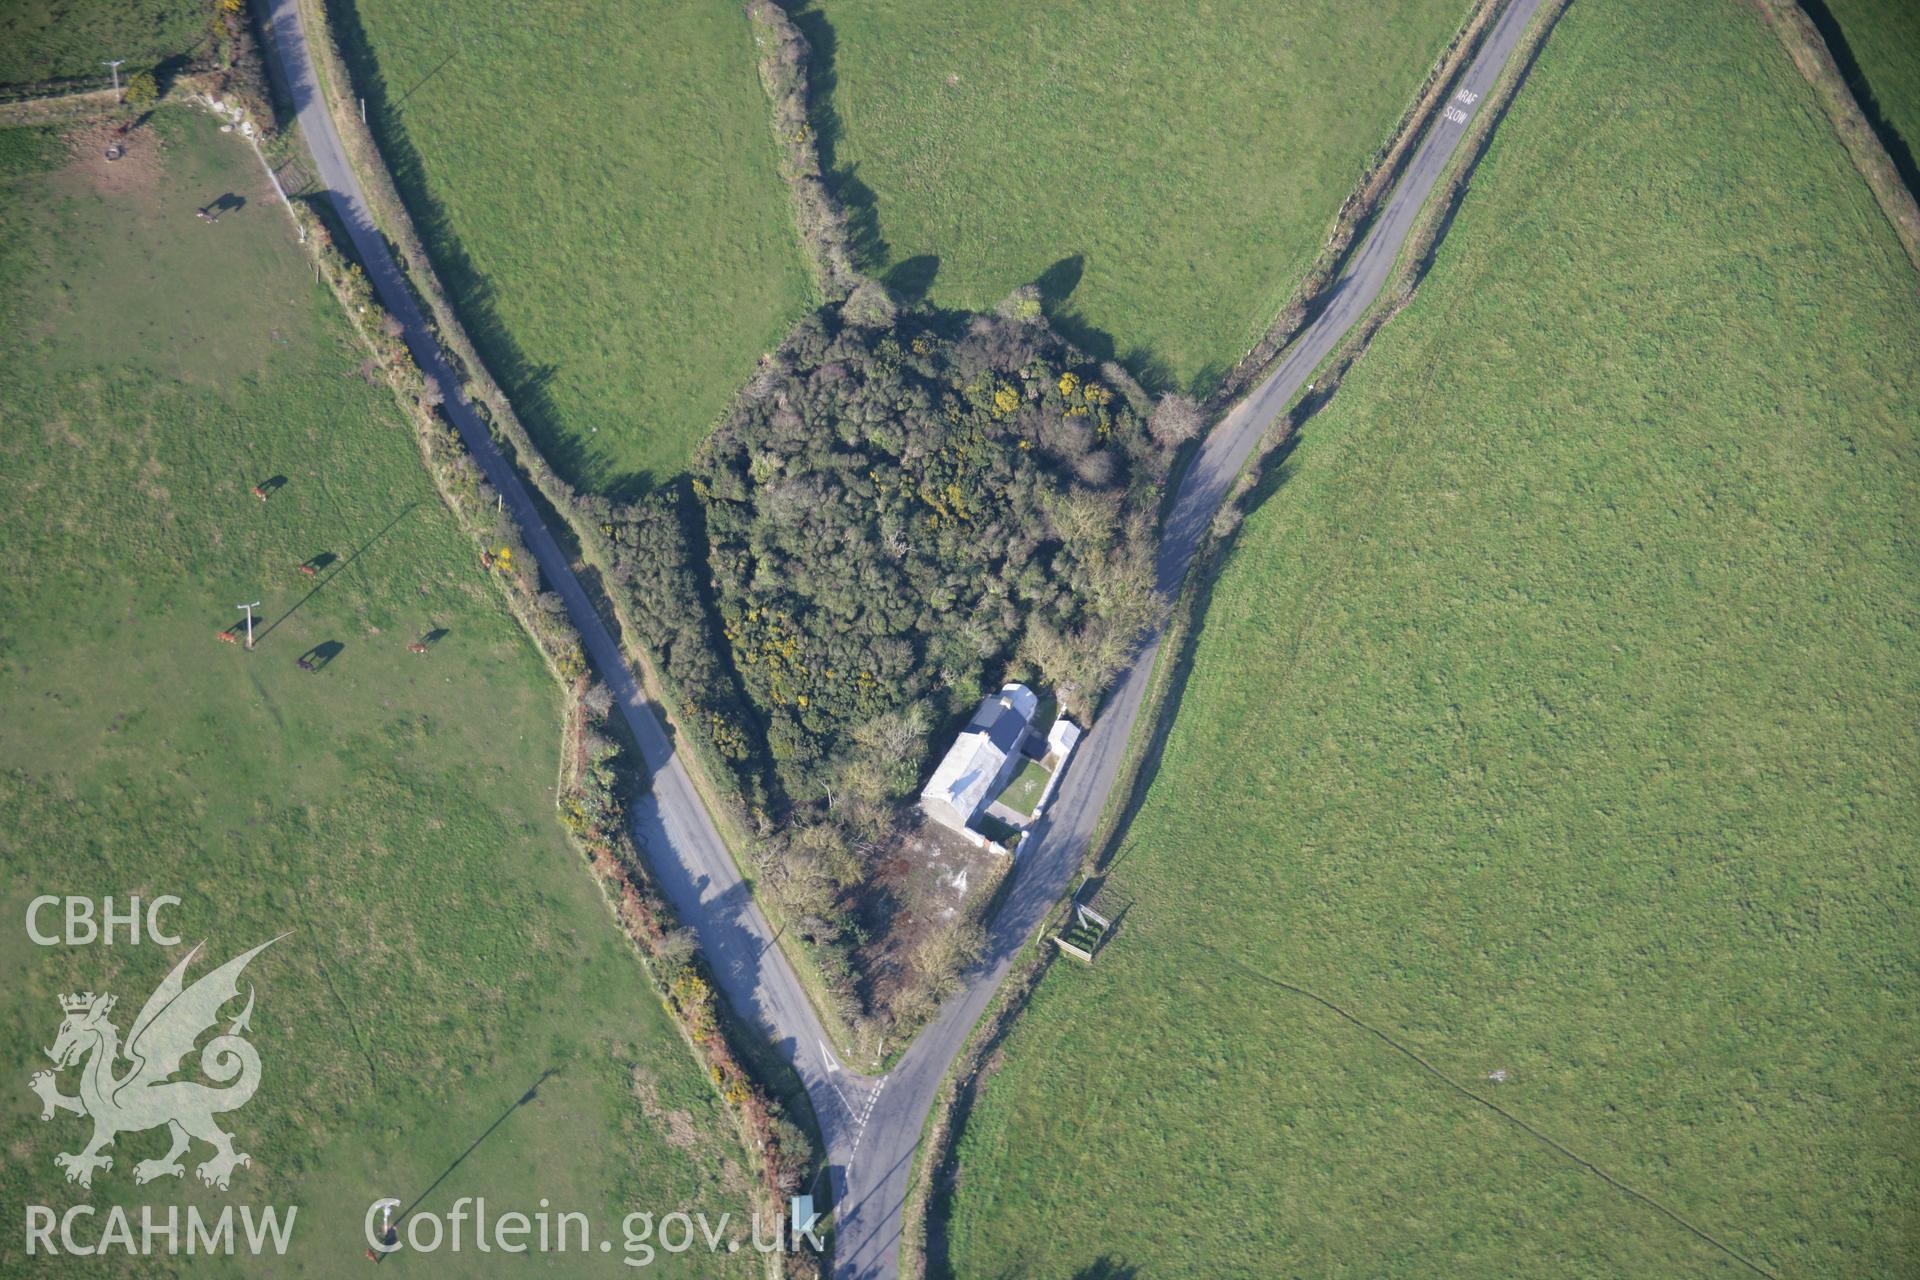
(143,1096)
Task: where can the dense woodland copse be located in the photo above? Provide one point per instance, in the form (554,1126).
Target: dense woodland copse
(902,508)
(901,502)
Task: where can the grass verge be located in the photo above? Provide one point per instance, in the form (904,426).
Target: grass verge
(598,191)
(1863,142)
(576,524)
(1881,38)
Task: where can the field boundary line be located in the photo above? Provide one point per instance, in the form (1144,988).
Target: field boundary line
(1808,51)
(1377,180)
(1547,1139)
(785,66)
(81,90)
(581,535)
(976,1061)
(86,102)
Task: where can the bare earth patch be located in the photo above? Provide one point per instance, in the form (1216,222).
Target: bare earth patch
(136,173)
(675,1126)
(935,881)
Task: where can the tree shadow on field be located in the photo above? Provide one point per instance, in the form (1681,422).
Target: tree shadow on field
(532,1093)
(862,206)
(527,382)
(1899,149)
(912,279)
(1057,282)
(170,68)
(1057,285)
(871,252)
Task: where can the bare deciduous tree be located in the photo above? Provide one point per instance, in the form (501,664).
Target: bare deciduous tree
(1176,419)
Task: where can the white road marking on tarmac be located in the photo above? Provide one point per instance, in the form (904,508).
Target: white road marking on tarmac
(833,1067)
(860,1122)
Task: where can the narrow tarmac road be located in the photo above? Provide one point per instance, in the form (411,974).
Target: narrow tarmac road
(871,1125)
(868,1240)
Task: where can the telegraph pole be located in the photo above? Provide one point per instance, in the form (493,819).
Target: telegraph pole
(115,64)
(249,608)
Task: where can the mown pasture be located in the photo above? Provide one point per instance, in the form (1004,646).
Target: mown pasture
(1540,801)
(1165,172)
(449,956)
(596,184)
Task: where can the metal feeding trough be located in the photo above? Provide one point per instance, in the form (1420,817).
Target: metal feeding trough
(115,151)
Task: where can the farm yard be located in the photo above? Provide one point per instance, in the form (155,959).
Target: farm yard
(1540,800)
(453,981)
(596,184)
(1165,172)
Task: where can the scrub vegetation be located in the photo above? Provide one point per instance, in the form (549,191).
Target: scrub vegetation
(44,41)
(892,510)
(451,963)
(1539,802)
(902,507)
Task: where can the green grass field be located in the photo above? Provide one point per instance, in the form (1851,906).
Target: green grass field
(68,39)
(1166,172)
(596,183)
(1556,716)
(1884,37)
(1024,791)
(395,812)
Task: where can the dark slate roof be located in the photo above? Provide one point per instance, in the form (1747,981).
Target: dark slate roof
(1003,725)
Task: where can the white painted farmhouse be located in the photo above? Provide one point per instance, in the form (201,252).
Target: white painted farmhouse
(983,758)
